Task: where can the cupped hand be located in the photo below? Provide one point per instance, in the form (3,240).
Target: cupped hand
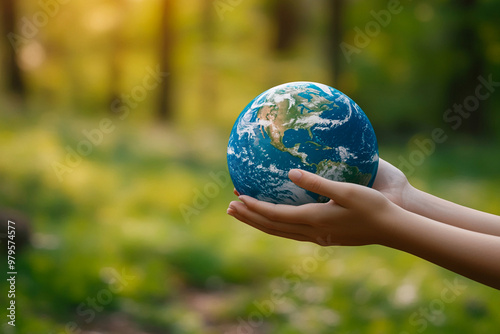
(392,183)
(355,215)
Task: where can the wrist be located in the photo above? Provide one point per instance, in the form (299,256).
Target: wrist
(410,198)
(390,223)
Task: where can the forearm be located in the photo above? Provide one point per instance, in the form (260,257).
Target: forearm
(471,254)
(450,213)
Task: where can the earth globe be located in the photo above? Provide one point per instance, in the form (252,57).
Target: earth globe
(304,125)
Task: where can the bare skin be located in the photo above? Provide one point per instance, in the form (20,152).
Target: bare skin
(393,214)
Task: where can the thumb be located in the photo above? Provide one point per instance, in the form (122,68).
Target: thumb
(341,192)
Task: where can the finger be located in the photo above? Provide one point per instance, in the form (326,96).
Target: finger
(341,192)
(265,229)
(236,192)
(281,212)
(244,211)
(250,215)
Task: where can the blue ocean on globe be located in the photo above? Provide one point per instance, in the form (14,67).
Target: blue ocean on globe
(303,125)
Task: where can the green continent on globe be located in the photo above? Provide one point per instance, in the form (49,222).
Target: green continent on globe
(289,110)
(333,170)
(340,171)
(304,125)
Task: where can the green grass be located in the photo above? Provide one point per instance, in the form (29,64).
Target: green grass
(121,206)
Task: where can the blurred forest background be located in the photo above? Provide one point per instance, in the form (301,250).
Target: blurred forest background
(114,120)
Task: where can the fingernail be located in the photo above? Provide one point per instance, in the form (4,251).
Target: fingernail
(294,175)
(243,198)
(230,209)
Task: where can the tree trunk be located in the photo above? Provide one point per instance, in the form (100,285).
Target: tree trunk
(165,103)
(287,24)
(14,79)
(115,56)
(208,85)
(334,38)
(465,79)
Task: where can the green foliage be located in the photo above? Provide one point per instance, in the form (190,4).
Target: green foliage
(113,247)
(120,209)
(401,75)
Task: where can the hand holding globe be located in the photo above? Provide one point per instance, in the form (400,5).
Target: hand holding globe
(321,131)
(351,208)
(302,125)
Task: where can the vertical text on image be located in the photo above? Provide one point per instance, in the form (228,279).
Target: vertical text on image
(11,272)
